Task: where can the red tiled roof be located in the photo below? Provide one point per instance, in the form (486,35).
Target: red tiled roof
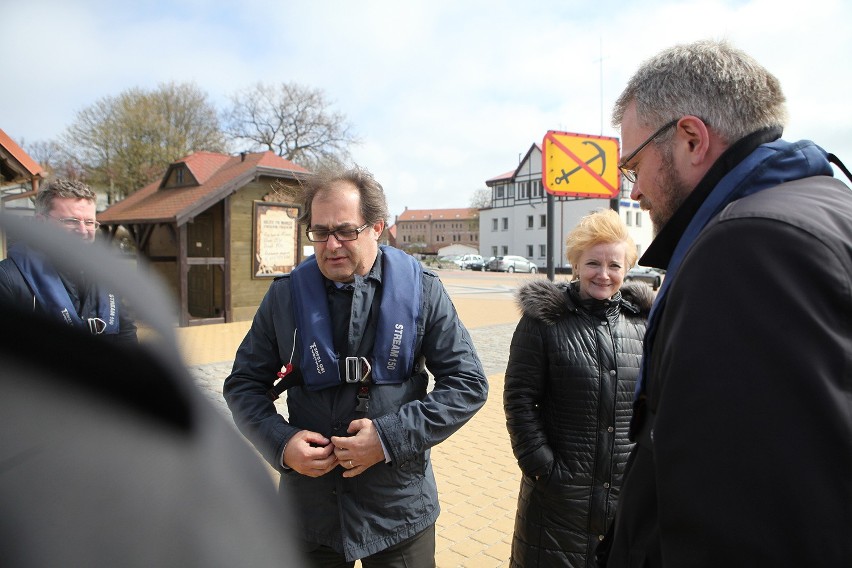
(26,162)
(507,175)
(202,165)
(218,175)
(438,214)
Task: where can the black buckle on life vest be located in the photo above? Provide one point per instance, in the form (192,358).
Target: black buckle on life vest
(363,399)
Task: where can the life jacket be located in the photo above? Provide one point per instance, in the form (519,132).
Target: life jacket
(51,295)
(396,330)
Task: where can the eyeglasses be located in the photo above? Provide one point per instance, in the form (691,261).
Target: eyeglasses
(630,173)
(341,234)
(74,222)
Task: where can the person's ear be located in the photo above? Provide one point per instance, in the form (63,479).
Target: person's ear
(379,227)
(696,139)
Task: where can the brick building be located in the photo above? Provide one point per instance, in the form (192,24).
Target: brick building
(428,230)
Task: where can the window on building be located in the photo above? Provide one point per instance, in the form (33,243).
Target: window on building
(505,250)
(500,192)
(638,218)
(542,251)
(628,218)
(530,223)
(537,188)
(494,224)
(494,251)
(542,221)
(529,251)
(523,189)
(505,223)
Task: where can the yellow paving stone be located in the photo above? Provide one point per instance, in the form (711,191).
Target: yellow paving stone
(468,548)
(474,522)
(504,524)
(483,560)
(500,551)
(449,559)
(487,535)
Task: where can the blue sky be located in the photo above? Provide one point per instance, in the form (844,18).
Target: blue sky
(443,94)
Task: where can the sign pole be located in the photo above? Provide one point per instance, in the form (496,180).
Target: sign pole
(550,222)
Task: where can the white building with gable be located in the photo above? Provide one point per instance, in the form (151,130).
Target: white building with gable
(516,221)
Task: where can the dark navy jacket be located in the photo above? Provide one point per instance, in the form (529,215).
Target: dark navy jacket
(388,503)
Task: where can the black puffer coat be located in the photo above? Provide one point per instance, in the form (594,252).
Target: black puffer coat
(568,395)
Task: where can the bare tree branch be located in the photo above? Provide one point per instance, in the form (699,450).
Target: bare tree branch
(291,120)
(127,141)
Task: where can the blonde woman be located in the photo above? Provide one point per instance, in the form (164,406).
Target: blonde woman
(568,395)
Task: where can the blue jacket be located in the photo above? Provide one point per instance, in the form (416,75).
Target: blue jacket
(388,503)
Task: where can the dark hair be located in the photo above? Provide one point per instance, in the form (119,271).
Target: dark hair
(374,206)
(62,188)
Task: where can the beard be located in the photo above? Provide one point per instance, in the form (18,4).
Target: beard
(673,192)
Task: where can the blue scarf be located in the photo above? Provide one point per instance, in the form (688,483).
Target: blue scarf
(51,294)
(396,332)
(768,166)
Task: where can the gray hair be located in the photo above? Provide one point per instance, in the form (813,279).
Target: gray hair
(374,205)
(62,188)
(726,88)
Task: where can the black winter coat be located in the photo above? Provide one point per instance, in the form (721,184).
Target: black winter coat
(569,388)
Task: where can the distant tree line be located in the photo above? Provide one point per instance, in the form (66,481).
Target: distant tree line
(122,143)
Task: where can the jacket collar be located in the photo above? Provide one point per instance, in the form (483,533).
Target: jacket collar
(660,251)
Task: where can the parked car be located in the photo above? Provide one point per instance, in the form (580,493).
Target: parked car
(486,263)
(512,263)
(478,265)
(449,261)
(468,260)
(647,274)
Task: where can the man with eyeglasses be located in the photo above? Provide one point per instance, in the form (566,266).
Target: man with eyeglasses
(743,413)
(357,326)
(28,279)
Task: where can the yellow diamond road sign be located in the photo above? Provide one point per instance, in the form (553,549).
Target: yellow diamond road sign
(580,165)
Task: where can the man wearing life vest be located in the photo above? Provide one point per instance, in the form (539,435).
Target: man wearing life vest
(29,280)
(358,325)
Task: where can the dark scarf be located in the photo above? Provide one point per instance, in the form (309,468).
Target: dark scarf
(396,331)
(50,293)
(749,166)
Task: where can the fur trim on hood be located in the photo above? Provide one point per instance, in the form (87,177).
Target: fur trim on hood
(547,301)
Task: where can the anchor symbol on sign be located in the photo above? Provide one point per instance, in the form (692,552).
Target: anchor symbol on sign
(601,155)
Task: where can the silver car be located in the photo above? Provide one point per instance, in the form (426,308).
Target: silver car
(652,276)
(512,263)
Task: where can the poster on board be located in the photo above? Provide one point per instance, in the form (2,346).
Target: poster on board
(276,239)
